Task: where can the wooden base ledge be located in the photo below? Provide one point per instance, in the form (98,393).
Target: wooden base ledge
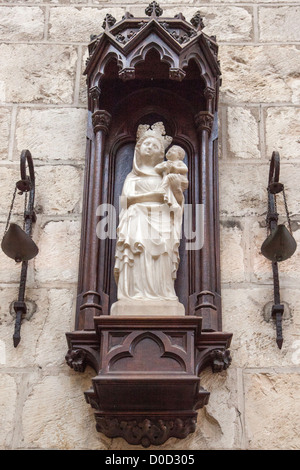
(147,387)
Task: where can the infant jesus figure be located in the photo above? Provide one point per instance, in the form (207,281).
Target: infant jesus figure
(174,173)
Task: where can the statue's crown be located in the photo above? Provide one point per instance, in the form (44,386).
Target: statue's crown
(157,130)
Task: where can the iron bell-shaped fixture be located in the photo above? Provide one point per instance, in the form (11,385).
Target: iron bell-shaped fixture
(18,245)
(279,245)
(16,242)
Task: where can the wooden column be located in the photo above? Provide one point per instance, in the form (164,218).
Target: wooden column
(205,305)
(93,300)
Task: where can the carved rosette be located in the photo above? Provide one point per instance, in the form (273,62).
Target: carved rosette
(146,431)
(204,121)
(101,121)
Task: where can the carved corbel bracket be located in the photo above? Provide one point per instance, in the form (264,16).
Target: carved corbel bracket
(83,350)
(212,351)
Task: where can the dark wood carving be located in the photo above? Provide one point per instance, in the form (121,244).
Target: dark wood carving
(140,71)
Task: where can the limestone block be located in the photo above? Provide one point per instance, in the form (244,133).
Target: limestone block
(259,74)
(83,95)
(52,134)
(2,353)
(272,410)
(77,24)
(279,23)
(221,424)
(5,118)
(291,297)
(242,188)
(232,252)
(50,315)
(46,72)
(283,132)
(9,175)
(289,176)
(243,133)
(21,23)
(56,416)
(8,399)
(51,346)
(8,295)
(216,423)
(21,1)
(58,189)
(228,23)
(38,305)
(254,334)
(59,252)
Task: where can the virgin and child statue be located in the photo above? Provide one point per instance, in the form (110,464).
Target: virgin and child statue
(149,231)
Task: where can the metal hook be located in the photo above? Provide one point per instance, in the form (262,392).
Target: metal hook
(280,244)
(30,218)
(17,243)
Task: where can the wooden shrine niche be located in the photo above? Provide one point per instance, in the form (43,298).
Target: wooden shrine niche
(149,75)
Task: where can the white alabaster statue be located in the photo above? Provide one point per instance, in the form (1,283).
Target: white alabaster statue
(149,231)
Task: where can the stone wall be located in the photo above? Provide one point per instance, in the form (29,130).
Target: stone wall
(255,403)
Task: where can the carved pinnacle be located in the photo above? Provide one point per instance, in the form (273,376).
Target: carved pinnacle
(108,22)
(197,21)
(153,9)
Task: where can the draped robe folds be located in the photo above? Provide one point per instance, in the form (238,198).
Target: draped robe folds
(147,250)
